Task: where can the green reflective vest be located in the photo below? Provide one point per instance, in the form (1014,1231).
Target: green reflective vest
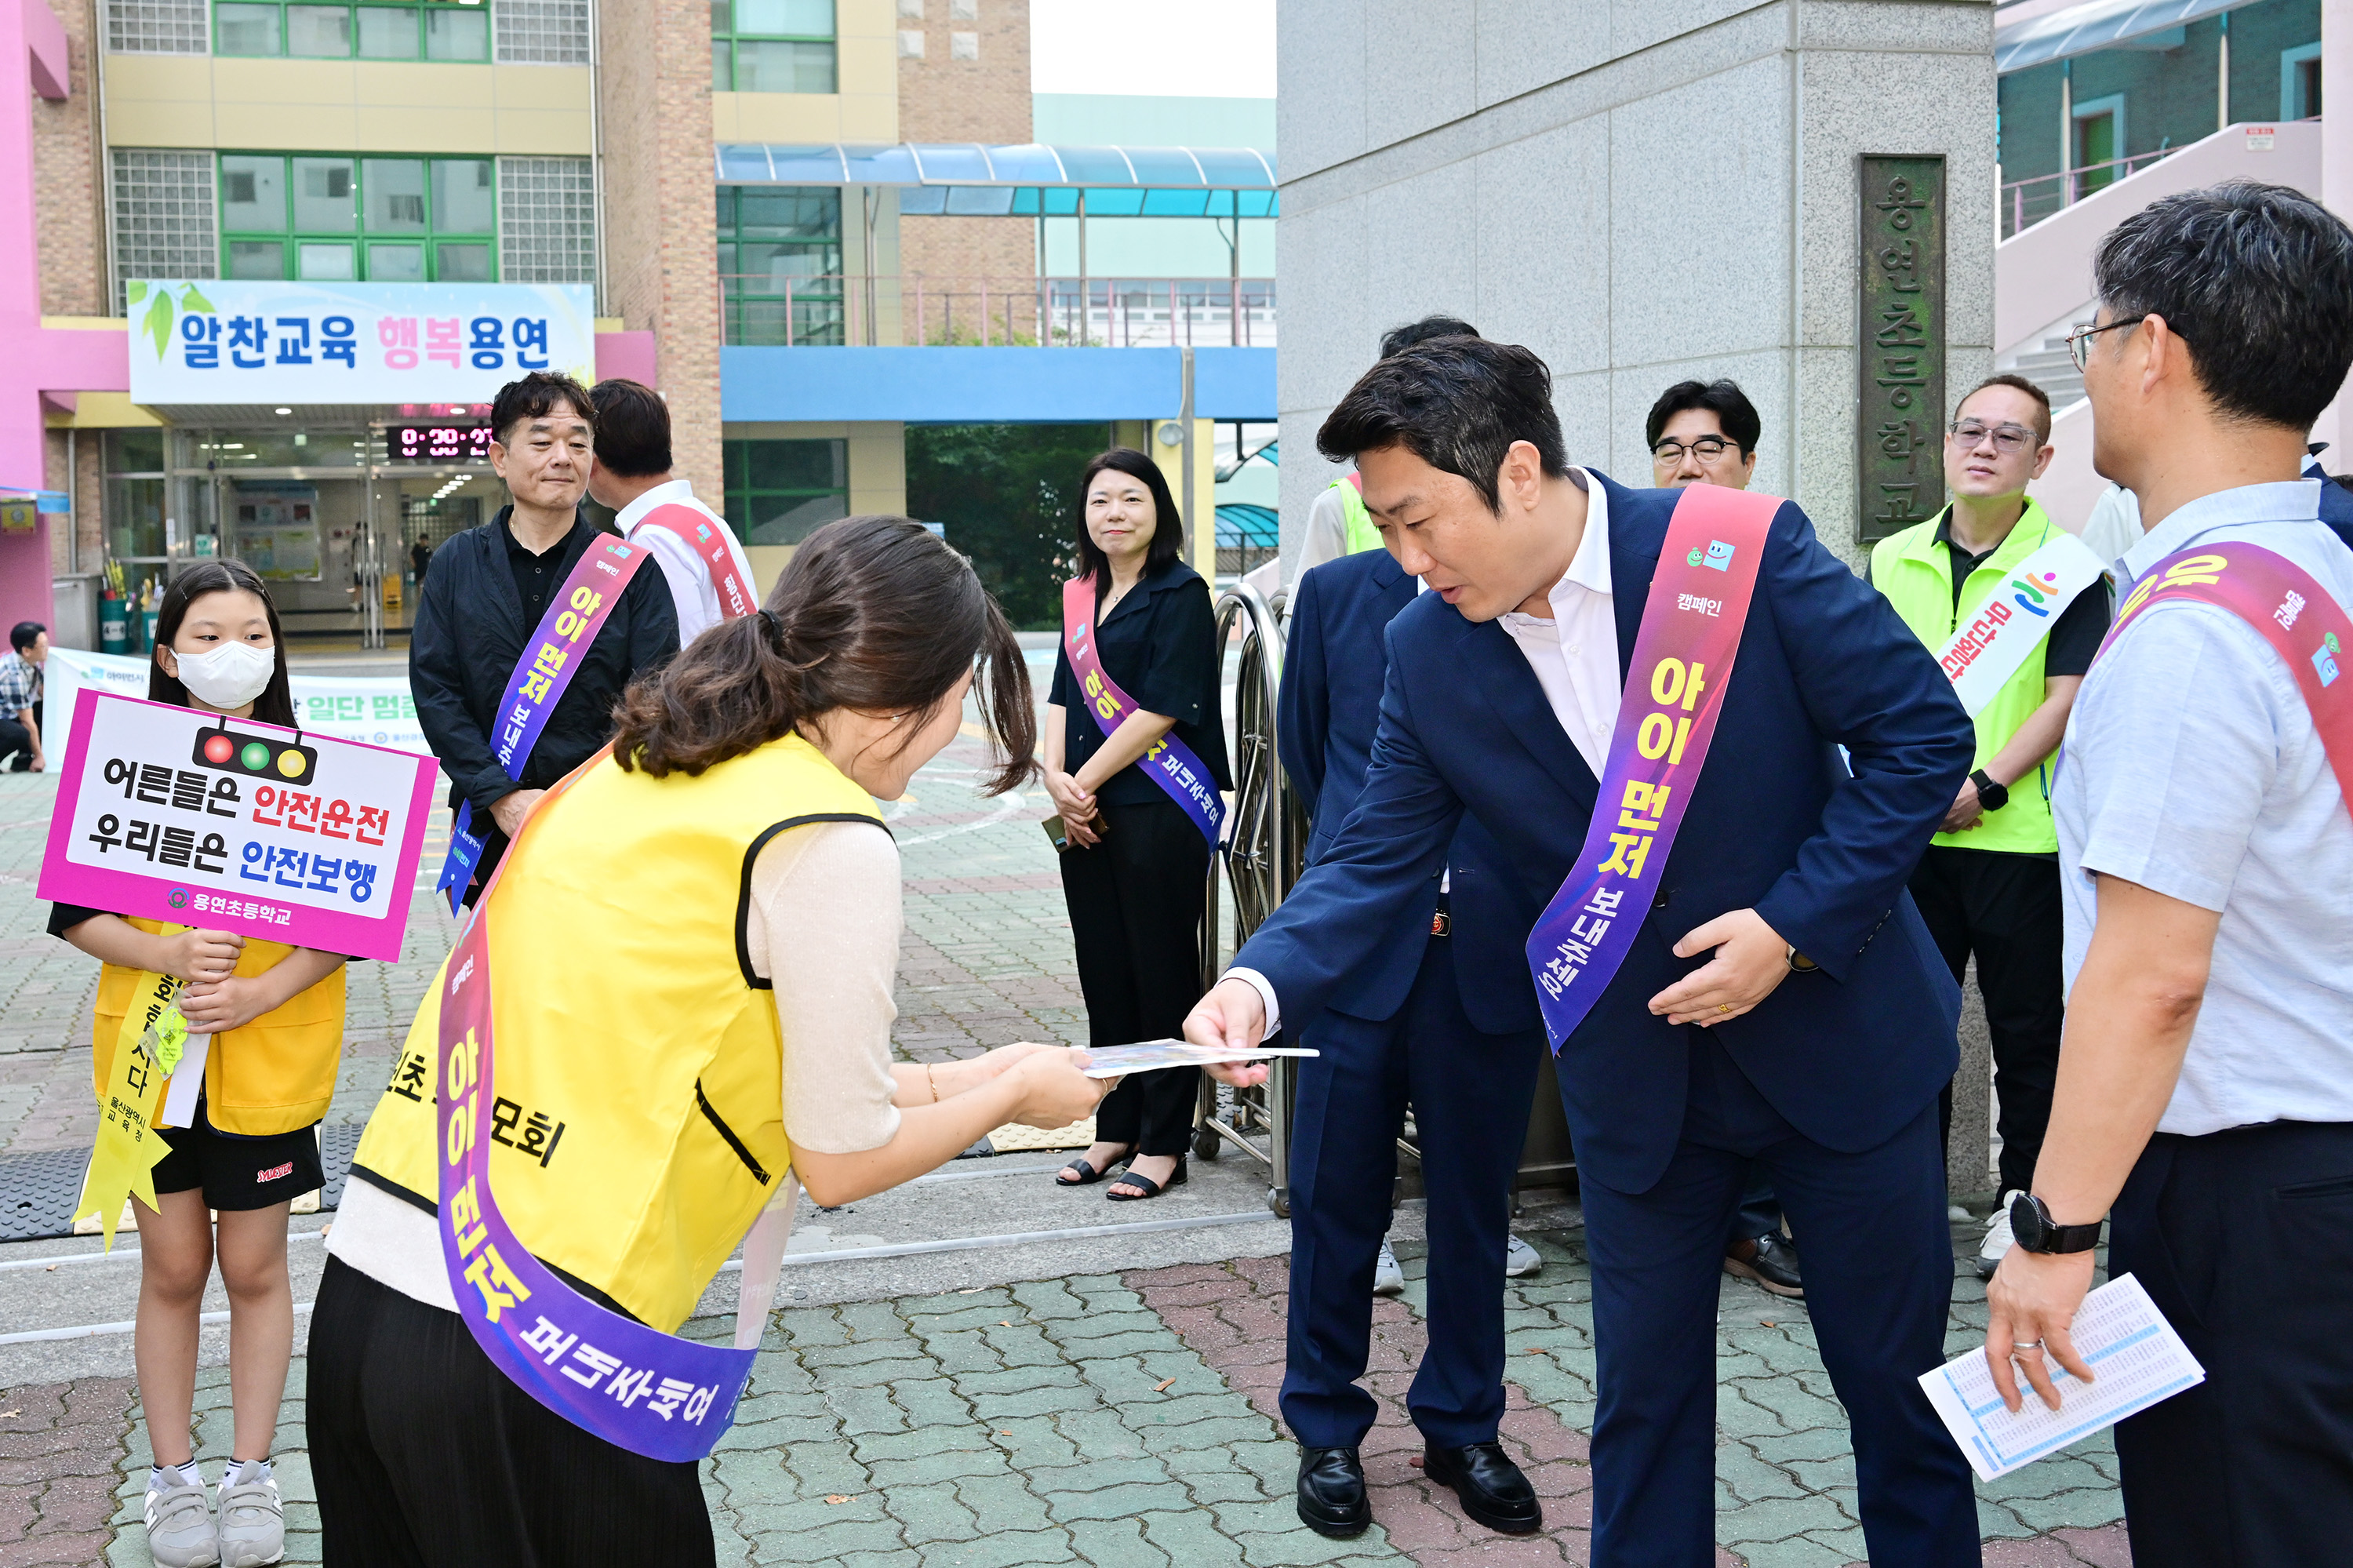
(1362,534)
(1915,572)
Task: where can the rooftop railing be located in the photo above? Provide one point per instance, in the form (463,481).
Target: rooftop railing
(2025,203)
(856,309)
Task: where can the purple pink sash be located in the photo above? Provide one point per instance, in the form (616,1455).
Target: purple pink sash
(2280,599)
(635,1387)
(710,547)
(549,660)
(1170,763)
(1674,690)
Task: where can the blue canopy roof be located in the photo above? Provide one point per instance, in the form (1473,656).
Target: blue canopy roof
(967,178)
(2099,24)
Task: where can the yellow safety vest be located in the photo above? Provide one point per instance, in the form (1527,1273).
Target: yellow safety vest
(1361,533)
(1915,574)
(276,1074)
(638,1115)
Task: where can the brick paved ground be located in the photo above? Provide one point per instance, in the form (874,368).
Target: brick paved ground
(1018,1424)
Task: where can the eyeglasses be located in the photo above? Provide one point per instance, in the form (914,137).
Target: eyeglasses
(2008,440)
(2079,342)
(1707,448)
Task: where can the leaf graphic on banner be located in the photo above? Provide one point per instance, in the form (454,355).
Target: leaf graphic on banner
(134,291)
(159,321)
(193,300)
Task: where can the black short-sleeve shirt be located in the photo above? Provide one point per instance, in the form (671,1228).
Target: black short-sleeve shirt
(2074,636)
(1159,645)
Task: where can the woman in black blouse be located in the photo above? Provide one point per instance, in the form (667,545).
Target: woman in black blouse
(1134,871)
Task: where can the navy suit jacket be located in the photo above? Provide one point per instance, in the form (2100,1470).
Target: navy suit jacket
(1777,823)
(1333,669)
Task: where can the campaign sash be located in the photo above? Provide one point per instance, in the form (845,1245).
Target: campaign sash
(1169,762)
(1980,657)
(634,1386)
(1674,690)
(710,547)
(147,1048)
(2280,599)
(573,616)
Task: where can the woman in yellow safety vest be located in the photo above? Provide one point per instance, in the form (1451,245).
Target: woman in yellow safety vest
(691,953)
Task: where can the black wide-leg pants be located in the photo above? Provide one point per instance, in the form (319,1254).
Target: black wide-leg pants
(1135,902)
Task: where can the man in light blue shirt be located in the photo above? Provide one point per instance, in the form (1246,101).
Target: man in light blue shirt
(2205,1095)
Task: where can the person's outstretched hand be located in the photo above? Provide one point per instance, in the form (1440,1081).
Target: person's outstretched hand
(1053,1087)
(1230,1017)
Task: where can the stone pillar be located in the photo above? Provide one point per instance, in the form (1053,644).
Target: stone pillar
(661,249)
(1639,193)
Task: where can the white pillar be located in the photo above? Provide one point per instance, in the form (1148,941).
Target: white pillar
(2337,182)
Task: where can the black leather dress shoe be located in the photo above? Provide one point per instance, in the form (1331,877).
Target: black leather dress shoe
(1771,1261)
(1492,1487)
(1332,1492)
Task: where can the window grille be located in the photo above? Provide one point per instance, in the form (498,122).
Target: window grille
(547,220)
(163,217)
(157,27)
(541,32)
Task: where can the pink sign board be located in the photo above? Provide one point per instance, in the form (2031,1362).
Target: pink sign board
(177,814)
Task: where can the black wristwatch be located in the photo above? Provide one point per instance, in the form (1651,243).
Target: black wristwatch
(2031,1224)
(1993,797)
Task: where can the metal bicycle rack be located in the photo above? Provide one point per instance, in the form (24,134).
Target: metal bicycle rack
(1266,840)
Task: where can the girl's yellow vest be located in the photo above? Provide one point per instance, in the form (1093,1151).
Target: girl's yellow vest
(638,1127)
(276,1074)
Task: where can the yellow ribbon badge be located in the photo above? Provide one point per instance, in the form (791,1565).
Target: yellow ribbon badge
(122,1164)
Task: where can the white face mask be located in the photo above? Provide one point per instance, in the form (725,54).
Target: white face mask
(230,676)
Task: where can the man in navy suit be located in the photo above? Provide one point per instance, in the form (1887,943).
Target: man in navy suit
(1783,1002)
(1435,1017)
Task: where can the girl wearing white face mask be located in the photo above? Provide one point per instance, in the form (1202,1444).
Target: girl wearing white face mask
(275,1016)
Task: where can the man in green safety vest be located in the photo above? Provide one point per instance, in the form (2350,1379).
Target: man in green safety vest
(1338,525)
(1997,591)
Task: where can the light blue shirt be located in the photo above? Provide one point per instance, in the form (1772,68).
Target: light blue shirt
(2191,767)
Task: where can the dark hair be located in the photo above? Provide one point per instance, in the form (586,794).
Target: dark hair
(2258,282)
(535,396)
(632,429)
(1733,410)
(1398,339)
(1167,524)
(1458,404)
(276,703)
(872,613)
(23,635)
(2020,383)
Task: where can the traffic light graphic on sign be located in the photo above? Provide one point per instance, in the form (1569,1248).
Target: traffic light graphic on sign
(256,756)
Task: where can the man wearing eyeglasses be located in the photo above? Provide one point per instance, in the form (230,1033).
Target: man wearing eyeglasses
(1973,583)
(1703,432)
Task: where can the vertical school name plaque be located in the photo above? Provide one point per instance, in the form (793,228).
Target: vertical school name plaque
(1900,412)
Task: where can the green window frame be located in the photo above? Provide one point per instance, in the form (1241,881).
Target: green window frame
(302,29)
(780,491)
(780,265)
(774,46)
(355,217)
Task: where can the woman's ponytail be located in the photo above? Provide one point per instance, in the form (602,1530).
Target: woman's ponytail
(874,614)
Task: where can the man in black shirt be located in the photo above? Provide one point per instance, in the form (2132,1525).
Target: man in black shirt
(484,592)
(1988,885)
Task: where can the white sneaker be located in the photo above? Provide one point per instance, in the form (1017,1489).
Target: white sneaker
(1520,1259)
(252,1520)
(1388,1279)
(179,1525)
(1997,1237)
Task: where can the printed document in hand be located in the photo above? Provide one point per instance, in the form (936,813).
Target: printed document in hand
(1115,1060)
(2135,1359)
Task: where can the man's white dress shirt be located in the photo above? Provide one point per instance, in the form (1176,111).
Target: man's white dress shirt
(691,587)
(1574,655)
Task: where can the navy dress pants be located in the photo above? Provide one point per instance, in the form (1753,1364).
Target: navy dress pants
(1879,1278)
(1470,1092)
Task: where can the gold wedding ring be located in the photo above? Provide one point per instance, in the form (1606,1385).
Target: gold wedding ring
(1724,1007)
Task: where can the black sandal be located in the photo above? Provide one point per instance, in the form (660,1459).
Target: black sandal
(1088,1174)
(1151,1188)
